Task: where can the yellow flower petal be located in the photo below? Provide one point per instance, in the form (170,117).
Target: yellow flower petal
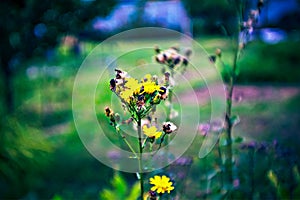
(164,178)
(153,188)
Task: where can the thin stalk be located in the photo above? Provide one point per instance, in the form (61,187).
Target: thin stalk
(168,118)
(220,163)
(170,96)
(140,158)
(166,141)
(251,172)
(230,88)
(144,142)
(127,143)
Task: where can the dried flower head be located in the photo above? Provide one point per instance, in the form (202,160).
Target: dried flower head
(169,127)
(212,58)
(171,57)
(151,195)
(260,4)
(111,115)
(218,52)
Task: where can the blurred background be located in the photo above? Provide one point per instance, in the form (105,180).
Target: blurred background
(43,44)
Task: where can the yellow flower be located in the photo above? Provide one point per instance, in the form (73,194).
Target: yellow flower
(150,87)
(161,184)
(132,83)
(151,132)
(126,94)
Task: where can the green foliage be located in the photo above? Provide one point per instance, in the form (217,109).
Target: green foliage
(270,63)
(56,18)
(120,189)
(211,16)
(24,153)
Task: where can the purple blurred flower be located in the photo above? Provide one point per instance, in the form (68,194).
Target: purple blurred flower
(236,183)
(114,155)
(183,161)
(204,128)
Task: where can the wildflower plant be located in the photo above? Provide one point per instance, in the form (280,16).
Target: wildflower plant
(139,98)
(242,35)
(143,142)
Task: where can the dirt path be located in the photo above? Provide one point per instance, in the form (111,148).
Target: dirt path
(246,93)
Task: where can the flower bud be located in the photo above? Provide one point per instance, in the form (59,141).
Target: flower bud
(152,195)
(260,4)
(157,49)
(108,111)
(163,93)
(212,58)
(218,52)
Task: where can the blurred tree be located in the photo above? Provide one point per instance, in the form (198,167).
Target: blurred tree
(31,28)
(210,16)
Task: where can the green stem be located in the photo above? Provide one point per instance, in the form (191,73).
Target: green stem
(230,88)
(144,142)
(251,172)
(141,158)
(126,141)
(170,98)
(170,106)
(220,163)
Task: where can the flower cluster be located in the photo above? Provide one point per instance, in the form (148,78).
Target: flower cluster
(247,26)
(138,96)
(171,57)
(161,184)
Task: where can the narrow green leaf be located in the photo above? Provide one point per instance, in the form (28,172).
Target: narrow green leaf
(273,178)
(234,120)
(119,184)
(134,192)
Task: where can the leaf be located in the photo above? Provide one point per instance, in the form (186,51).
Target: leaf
(273,178)
(296,174)
(134,192)
(107,194)
(223,142)
(119,184)
(238,139)
(212,174)
(120,190)
(234,120)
